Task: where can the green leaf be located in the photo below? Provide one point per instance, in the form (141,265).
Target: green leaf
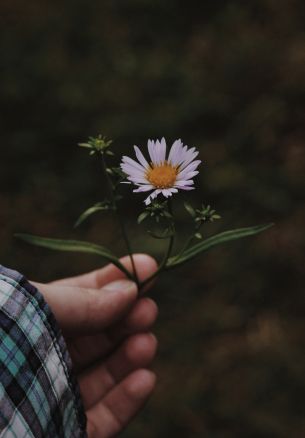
(218,239)
(94,209)
(143,216)
(74,246)
(167,214)
(198,236)
(190,209)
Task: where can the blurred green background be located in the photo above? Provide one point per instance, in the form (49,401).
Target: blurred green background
(227,77)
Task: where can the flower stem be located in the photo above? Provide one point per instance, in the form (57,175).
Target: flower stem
(167,254)
(121,223)
(187,244)
(129,250)
(189,241)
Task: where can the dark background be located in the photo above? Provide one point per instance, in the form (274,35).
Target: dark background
(227,77)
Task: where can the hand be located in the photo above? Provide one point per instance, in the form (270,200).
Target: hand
(106,329)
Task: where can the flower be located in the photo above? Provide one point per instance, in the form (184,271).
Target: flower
(162,175)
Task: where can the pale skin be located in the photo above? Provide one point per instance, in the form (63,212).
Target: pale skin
(107,329)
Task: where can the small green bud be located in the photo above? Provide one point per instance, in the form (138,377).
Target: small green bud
(97,144)
(205,214)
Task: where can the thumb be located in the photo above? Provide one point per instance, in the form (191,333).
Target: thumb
(83,310)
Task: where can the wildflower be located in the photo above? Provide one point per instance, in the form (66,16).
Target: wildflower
(162,175)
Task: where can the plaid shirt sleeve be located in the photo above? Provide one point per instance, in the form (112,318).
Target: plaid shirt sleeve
(39,395)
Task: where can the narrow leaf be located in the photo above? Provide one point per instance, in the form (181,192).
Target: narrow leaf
(89,212)
(73,246)
(143,216)
(167,214)
(218,239)
(190,209)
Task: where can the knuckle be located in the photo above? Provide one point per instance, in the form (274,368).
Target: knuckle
(91,312)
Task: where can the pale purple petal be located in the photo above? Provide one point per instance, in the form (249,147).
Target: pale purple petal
(130,168)
(131,171)
(192,166)
(137,180)
(191,155)
(180,155)
(166,193)
(169,192)
(180,184)
(144,188)
(183,153)
(151,150)
(157,151)
(137,175)
(153,195)
(162,151)
(141,157)
(131,162)
(188,169)
(147,201)
(175,152)
(186,175)
(187,188)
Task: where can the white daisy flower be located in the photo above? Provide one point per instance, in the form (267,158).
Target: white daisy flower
(162,175)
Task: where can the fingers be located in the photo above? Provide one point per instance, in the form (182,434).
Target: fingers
(145,267)
(83,311)
(110,415)
(84,307)
(139,319)
(136,352)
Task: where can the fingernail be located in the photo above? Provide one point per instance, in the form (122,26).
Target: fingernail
(121,285)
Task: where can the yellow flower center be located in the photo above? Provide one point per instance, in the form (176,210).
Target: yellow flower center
(162,176)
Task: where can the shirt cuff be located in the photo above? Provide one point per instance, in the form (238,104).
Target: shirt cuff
(39,393)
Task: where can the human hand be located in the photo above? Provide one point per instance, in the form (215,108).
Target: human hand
(106,329)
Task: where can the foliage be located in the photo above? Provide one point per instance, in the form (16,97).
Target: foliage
(155,210)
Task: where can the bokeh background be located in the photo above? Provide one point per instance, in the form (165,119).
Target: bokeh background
(227,77)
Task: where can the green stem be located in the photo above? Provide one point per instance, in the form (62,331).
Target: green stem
(121,223)
(161,266)
(187,244)
(189,240)
(165,258)
(129,250)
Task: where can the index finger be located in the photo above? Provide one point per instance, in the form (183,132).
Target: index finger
(83,311)
(145,267)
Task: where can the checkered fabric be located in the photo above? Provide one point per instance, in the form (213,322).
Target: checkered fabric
(39,395)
